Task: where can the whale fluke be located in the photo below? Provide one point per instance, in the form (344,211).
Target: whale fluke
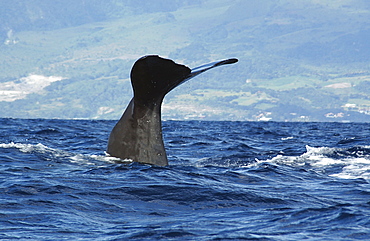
(138,134)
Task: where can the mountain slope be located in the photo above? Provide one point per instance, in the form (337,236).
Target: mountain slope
(298,60)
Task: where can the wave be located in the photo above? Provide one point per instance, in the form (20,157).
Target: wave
(53,154)
(347,163)
(344,163)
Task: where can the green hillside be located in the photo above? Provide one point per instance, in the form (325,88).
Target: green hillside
(298,60)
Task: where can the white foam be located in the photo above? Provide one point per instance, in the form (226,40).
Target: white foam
(355,168)
(321,158)
(111,159)
(96,160)
(25,147)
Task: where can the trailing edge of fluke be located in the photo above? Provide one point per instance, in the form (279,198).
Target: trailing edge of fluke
(138,134)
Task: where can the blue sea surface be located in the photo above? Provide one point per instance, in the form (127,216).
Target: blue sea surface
(225,181)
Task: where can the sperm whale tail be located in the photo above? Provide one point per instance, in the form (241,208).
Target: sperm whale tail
(138,134)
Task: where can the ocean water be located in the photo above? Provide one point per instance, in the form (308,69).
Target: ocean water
(225,181)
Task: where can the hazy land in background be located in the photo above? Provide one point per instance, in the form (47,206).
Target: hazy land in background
(299,60)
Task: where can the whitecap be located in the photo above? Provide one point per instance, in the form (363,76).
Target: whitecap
(58,154)
(25,147)
(322,159)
